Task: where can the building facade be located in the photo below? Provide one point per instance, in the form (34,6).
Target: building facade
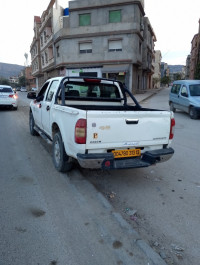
(195,54)
(105,38)
(157,69)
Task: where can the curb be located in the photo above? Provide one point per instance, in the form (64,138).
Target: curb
(154,257)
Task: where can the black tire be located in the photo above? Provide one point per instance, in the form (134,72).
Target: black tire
(15,108)
(32,124)
(61,160)
(172,107)
(193,113)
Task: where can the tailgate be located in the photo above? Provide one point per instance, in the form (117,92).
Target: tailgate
(119,129)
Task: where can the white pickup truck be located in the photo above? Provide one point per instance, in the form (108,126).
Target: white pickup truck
(89,120)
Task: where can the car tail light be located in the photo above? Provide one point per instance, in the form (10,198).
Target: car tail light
(81,131)
(13,96)
(171,135)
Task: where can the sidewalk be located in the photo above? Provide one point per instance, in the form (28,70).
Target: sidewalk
(145,95)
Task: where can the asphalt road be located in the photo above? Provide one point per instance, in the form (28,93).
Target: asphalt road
(48,218)
(165,198)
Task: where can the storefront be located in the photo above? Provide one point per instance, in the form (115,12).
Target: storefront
(117,72)
(91,71)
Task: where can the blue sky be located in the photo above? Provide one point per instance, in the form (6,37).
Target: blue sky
(175,22)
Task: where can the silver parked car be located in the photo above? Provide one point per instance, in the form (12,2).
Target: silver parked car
(185,96)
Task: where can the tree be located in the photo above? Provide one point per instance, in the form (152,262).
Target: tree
(165,80)
(4,81)
(177,76)
(22,81)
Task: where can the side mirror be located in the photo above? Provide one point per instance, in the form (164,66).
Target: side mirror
(31,95)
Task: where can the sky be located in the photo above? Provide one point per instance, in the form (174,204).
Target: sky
(175,22)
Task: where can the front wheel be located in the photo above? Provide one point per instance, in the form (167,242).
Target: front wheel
(61,160)
(193,113)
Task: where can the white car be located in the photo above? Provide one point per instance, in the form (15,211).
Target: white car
(34,89)
(8,98)
(23,89)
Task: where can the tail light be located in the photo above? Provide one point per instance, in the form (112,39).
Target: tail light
(13,96)
(172,128)
(81,131)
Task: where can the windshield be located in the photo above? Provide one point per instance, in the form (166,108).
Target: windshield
(5,90)
(195,90)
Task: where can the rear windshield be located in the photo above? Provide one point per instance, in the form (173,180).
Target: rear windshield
(195,90)
(93,91)
(5,89)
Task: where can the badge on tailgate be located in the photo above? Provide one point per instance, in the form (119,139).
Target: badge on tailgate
(126,153)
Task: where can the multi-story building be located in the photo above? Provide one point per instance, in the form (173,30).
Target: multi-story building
(195,54)
(164,69)
(103,38)
(157,69)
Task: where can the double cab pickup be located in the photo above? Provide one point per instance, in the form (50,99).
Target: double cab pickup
(89,120)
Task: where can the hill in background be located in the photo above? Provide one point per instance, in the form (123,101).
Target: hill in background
(175,68)
(7,70)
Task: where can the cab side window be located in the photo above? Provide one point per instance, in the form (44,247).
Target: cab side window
(184,92)
(52,89)
(40,95)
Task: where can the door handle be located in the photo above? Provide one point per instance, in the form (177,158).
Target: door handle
(132,121)
(47,108)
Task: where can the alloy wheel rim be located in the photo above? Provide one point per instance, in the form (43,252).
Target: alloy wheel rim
(57,152)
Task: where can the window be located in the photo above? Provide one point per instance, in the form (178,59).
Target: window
(175,89)
(84,19)
(94,91)
(46,57)
(115,45)
(85,47)
(42,60)
(140,47)
(52,89)
(57,51)
(41,40)
(194,90)
(184,92)
(114,16)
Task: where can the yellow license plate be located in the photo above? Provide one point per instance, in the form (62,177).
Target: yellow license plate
(126,153)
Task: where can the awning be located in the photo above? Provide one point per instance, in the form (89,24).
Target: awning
(115,68)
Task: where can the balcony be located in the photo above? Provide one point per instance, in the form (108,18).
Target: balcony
(46,42)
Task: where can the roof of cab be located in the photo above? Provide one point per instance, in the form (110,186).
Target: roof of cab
(187,82)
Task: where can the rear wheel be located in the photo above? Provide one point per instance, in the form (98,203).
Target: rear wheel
(193,113)
(60,159)
(172,107)
(32,124)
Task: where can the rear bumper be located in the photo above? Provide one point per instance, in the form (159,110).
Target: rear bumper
(107,161)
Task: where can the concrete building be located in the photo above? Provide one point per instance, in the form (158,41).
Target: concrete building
(157,69)
(103,38)
(195,54)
